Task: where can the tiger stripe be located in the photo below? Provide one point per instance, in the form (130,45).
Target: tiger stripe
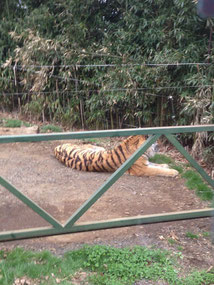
(92,158)
(97,159)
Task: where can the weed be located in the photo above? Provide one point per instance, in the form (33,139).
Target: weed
(193,179)
(206,234)
(199,278)
(101,265)
(163,159)
(50,128)
(192,235)
(195,182)
(171,241)
(180,248)
(92,140)
(124,266)
(13,123)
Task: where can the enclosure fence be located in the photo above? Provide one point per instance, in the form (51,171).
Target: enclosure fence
(72,225)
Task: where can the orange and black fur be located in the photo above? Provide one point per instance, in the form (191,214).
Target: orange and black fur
(92,158)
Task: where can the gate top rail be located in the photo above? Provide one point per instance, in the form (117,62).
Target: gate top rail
(106,133)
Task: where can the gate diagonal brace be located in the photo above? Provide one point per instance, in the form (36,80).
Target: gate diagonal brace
(192,161)
(112,179)
(31,204)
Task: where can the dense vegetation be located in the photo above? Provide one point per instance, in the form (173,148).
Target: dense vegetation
(101,265)
(47,49)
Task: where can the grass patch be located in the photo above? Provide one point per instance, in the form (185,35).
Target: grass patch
(193,179)
(195,182)
(192,235)
(92,140)
(101,265)
(125,266)
(163,159)
(51,129)
(13,123)
(171,241)
(206,234)
(180,248)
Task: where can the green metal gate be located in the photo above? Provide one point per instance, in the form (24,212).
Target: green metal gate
(71,226)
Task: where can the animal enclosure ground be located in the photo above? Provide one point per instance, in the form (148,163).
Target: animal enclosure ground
(33,169)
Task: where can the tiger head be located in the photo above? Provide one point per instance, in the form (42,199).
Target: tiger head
(154,148)
(135,142)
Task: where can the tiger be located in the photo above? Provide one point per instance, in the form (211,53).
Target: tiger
(98,159)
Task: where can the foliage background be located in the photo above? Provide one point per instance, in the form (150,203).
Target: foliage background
(45,43)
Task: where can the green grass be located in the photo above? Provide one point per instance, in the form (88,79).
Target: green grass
(206,234)
(13,123)
(51,128)
(92,140)
(171,241)
(101,265)
(180,248)
(191,235)
(193,179)
(163,159)
(195,182)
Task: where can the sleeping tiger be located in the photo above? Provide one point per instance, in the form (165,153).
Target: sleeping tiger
(93,158)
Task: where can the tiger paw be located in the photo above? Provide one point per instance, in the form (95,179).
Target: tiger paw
(173,173)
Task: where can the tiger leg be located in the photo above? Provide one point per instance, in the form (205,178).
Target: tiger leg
(143,167)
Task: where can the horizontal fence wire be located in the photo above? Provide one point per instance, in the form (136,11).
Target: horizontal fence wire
(75,91)
(29,68)
(108,90)
(23,67)
(111,65)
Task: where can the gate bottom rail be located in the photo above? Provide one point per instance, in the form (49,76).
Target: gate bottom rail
(112,223)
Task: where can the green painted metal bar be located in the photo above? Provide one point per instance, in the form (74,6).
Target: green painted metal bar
(113,223)
(31,204)
(106,133)
(112,179)
(181,149)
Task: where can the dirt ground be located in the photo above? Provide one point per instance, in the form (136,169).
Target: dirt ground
(33,169)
